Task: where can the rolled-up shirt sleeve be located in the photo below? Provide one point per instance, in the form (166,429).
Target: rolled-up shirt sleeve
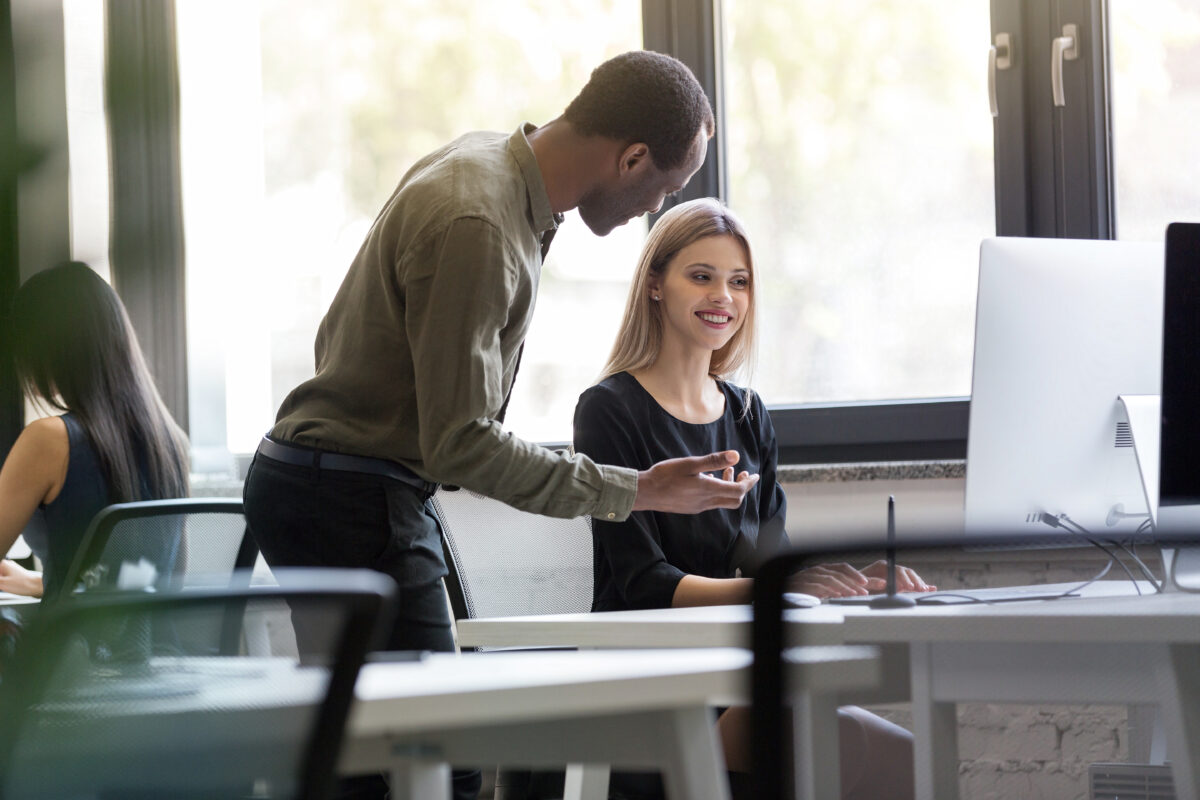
(631,549)
(466,314)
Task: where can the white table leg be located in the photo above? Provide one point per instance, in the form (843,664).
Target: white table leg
(586,782)
(1179,688)
(817,762)
(695,767)
(417,779)
(1145,727)
(935,732)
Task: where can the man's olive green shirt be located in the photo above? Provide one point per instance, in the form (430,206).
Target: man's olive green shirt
(420,346)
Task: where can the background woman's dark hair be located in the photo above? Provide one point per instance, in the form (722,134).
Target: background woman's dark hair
(643,96)
(76,349)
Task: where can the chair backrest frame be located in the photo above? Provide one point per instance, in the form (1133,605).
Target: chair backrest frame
(368,599)
(96,538)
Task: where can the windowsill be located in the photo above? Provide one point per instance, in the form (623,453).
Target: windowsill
(228,486)
(873,471)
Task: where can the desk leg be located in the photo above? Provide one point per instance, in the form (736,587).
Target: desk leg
(420,780)
(815,742)
(695,766)
(1146,742)
(586,782)
(1179,688)
(935,732)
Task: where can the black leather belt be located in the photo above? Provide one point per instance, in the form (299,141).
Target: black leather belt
(301,456)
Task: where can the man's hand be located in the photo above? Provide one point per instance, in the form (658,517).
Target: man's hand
(682,485)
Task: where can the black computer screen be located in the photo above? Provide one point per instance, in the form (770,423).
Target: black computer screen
(1179,463)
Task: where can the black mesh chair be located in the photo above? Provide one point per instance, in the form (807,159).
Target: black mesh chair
(1110,562)
(167,543)
(505,562)
(105,700)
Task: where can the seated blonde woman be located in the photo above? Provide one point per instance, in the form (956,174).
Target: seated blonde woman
(688,325)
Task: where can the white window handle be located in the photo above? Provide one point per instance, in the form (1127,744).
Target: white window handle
(1065,48)
(999,57)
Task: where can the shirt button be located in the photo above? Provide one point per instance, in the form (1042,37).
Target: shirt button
(612,515)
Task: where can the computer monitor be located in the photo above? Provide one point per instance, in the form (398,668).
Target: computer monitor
(1063,329)
(1179,463)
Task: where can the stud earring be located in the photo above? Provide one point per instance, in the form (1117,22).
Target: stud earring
(656,297)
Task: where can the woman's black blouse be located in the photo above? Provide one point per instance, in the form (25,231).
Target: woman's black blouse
(639,562)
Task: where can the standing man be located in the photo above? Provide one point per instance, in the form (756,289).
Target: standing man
(418,352)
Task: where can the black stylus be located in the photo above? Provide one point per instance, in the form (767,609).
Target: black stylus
(891,599)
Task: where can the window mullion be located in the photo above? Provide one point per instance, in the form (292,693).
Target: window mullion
(690,31)
(1081,127)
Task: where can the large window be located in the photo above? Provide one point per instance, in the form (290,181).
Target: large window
(860,156)
(299,118)
(1156,114)
(854,139)
(87,132)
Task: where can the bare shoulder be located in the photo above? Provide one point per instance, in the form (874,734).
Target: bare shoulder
(33,473)
(42,451)
(48,435)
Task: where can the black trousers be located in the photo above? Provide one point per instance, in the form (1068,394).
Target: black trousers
(306,517)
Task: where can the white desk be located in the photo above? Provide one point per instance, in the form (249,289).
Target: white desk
(632,708)
(1106,646)
(641,709)
(705,626)
(1089,649)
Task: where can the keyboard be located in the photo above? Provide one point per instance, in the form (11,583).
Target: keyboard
(1000,594)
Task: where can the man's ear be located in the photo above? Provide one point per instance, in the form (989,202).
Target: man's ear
(634,158)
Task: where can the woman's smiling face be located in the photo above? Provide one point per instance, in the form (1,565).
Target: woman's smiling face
(705,292)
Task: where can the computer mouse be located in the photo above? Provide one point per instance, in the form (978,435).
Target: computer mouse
(800,600)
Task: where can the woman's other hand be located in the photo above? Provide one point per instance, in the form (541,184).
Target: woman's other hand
(906,579)
(831,580)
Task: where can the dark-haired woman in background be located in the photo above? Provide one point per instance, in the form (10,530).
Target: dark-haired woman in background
(76,351)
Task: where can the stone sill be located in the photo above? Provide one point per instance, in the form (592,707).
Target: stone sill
(873,471)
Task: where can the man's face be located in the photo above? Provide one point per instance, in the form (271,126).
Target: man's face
(638,190)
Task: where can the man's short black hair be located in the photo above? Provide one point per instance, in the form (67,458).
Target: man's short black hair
(643,96)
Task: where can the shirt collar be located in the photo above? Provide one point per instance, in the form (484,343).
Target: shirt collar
(544,218)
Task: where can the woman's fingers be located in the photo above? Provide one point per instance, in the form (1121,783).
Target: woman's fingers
(831,580)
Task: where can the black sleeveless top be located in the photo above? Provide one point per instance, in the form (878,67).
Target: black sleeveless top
(56,536)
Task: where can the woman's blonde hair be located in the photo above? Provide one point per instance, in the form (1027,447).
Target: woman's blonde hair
(639,339)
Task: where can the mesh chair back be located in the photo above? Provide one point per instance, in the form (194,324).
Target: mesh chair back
(505,562)
(105,699)
(186,542)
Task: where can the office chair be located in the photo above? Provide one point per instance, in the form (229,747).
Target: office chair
(186,542)
(91,711)
(506,562)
